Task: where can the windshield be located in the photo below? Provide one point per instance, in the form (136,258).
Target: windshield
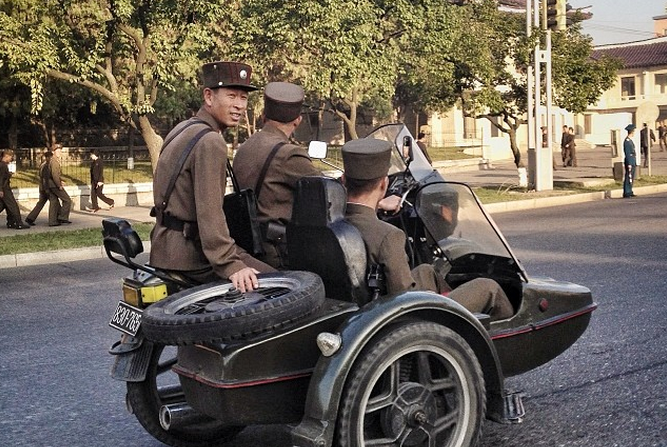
(394,133)
(455,221)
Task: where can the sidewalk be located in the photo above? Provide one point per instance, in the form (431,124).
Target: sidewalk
(594,169)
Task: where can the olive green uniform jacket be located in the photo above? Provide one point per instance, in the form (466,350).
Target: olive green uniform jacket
(197,198)
(385,244)
(276,196)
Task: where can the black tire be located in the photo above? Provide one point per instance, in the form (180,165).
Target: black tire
(418,384)
(161,387)
(217,312)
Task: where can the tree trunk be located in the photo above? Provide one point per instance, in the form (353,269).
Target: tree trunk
(515,147)
(152,139)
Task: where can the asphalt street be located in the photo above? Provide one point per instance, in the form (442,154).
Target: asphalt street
(606,390)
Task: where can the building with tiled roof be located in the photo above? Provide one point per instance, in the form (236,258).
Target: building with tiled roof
(638,96)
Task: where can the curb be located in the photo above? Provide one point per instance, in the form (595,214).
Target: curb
(545,202)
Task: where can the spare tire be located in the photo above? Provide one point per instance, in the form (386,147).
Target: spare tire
(217,312)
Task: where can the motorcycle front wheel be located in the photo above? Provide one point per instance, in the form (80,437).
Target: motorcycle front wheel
(160,387)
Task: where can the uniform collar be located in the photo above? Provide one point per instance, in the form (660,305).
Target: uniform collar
(203,115)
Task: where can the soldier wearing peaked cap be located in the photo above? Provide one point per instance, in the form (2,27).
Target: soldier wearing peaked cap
(629,162)
(191,235)
(285,164)
(366,163)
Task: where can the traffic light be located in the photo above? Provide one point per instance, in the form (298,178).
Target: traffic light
(556,14)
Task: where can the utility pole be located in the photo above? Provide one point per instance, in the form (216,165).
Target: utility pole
(547,15)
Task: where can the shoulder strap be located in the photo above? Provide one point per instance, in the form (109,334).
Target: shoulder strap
(185,126)
(181,161)
(262,174)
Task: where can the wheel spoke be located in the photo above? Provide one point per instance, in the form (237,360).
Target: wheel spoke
(389,389)
(430,380)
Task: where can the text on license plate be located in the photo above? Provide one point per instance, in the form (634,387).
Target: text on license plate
(126,318)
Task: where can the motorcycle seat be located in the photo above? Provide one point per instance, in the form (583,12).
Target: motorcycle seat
(320,240)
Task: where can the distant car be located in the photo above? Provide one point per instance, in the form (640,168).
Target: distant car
(315,347)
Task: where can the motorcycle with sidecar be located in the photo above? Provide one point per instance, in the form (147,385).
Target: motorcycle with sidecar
(317,348)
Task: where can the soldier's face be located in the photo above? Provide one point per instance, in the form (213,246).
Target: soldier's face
(226,105)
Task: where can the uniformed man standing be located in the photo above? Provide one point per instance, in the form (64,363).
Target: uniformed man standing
(285,164)
(629,162)
(191,235)
(366,164)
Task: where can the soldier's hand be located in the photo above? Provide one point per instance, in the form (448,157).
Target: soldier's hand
(390,204)
(245,279)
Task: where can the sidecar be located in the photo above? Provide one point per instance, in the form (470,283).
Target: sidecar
(316,349)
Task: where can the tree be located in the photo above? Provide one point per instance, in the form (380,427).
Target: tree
(126,51)
(500,91)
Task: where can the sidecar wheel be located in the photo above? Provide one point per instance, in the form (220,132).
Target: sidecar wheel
(161,387)
(418,384)
(218,312)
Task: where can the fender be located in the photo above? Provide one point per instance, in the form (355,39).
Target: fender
(133,355)
(317,427)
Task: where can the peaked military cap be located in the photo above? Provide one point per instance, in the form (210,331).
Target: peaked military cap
(227,74)
(282,101)
(367,158)
(630,127)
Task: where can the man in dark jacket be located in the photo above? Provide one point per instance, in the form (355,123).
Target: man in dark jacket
(645,143)
(44,192)
(97,182)
(7,199)
(60,208)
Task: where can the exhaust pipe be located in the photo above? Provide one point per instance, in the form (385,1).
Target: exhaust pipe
(178,415)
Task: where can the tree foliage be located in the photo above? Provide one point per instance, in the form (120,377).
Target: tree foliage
(126,51)
(142,56)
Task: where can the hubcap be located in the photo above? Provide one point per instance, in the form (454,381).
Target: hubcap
(413,407)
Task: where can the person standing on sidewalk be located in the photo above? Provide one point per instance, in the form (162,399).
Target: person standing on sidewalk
(44,193)
(60,208)
(662,136)
(191,237)
(572,148)
(645,143)
(7,199)
(629,162)
(97,182)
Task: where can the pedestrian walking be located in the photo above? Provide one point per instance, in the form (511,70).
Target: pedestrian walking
(629,162)
(7,200)
(60,208)
(44,192)
(662,136)
(646,140)
(97,182)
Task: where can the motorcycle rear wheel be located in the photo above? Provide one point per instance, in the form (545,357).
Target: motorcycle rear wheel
(161,387)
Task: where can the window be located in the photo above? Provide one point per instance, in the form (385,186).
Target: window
(588,124)
(661,83)
(628,87)
(494,130)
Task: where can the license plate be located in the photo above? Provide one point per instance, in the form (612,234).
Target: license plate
(126,318)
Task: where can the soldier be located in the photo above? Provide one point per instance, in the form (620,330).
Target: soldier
(191,236)
(629,162)
(366,165)
(7,199)
(60,208)
(44,193)
(281,169)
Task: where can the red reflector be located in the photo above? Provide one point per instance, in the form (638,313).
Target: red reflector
(544,304)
